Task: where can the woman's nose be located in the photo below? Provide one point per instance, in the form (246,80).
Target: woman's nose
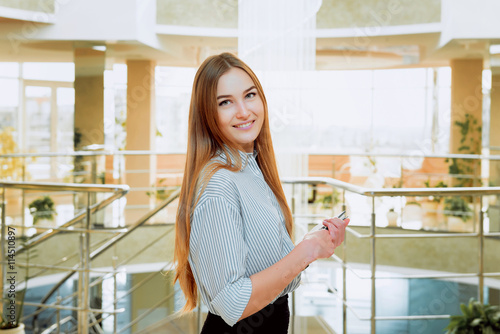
(242,111)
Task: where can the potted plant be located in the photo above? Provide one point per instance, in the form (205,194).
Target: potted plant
(8,326)
(475,318)
(470,143)
(458,211)
(43,211)
(10,320)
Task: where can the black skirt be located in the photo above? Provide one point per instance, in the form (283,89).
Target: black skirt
(272,319)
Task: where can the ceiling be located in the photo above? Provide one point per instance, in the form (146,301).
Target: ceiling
(332,53)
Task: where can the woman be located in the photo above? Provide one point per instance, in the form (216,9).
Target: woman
(233,223)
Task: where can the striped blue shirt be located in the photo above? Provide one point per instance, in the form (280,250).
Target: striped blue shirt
(237,230)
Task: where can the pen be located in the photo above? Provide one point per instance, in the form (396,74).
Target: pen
(341,216)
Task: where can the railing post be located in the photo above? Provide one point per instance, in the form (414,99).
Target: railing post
(344,207)
(83,285)
(372,268)
(292,323)
(198,314)
(480,285)
(2,250)
(58,315)
(23,199)
(115,294)
(344,276)
(93,169)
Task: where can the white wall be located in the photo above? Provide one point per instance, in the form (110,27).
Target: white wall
(92,20)
(474,19)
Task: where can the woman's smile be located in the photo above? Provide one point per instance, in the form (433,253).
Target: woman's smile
(240,108)
(245,126)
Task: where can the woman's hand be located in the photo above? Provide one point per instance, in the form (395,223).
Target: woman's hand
(336,227)
(322,243)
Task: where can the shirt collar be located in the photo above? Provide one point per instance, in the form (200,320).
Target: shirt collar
(245,157)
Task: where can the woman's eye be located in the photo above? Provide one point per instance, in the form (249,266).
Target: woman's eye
(224,103)
(250,95)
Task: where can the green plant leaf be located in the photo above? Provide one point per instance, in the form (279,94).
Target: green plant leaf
(465,310)
(489,330)
(476,322)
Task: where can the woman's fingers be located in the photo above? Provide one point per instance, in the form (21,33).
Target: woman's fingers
(336,227)
(325,242)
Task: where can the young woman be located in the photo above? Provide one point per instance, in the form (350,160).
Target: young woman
(233,228)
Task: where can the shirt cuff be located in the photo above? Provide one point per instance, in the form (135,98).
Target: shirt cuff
(232,300)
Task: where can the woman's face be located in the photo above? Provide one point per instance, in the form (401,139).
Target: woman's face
(240,109)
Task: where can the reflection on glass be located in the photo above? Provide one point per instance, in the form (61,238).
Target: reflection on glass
(38,127)
(38,119)
(9,103)
(65,119)
(49,71)
(65,130)
(9,70)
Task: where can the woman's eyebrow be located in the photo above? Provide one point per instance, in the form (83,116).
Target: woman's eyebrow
(244,92)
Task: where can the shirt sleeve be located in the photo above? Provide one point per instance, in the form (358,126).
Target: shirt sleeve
(218,253)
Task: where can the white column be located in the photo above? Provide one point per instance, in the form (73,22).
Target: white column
(277,40)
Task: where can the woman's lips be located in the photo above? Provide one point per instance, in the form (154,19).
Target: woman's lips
(244,126)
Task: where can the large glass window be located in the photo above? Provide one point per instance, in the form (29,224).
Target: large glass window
(9,103)
(38,119)
(173,94)
(354,111)
(9,70)
(341,113)
(49,71)
(115,107)
(37,101)
(400,109)
(360,110)
(65,119)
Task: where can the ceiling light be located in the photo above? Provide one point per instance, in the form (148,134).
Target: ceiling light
(495,49)
(99,47)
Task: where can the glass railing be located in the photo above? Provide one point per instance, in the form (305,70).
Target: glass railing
(152,176)
(386,254)
(81,276)
(392,200)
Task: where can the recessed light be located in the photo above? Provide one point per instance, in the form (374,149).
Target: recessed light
(99,47)
(495,49)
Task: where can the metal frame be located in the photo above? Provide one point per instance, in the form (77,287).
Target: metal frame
(84,267)
(86,255)
(120,191)
(373,193)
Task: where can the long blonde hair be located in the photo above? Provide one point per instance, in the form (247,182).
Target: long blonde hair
(204,141)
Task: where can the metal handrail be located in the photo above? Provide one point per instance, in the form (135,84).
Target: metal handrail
(117,190)
(139,223)
(372,236)
(65,186)
(64,259)
(476,191)
(63,321)
(305,151)
(376,192)
(106,230)
(93,255)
